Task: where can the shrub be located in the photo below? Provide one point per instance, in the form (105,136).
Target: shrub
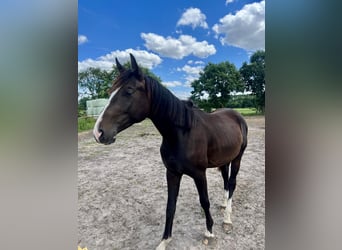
(85,123)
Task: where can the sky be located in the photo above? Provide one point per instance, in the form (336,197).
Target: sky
(174,39)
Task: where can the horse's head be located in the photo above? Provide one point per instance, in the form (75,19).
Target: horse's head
(128,104)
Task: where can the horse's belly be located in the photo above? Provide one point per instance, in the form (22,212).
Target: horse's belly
(218,158)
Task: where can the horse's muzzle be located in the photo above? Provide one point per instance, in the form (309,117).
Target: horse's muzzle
(108,142)
(102,138)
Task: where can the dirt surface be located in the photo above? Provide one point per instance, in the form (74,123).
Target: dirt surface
(122,195)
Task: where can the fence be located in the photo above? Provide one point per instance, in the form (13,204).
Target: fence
(95,107)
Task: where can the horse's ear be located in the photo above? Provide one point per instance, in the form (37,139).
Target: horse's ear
(119,66)
(135,68)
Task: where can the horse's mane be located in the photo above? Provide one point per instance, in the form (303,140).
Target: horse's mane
(120,80)
(164,105)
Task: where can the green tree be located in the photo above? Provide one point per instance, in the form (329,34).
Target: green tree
(254,77)
(216,83)
(82,106)
(242,101)
(95,82)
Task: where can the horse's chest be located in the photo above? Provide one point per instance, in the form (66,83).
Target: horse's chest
(181,158)
(172,162)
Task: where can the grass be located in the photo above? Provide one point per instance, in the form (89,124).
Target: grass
(247,111)
(85,123)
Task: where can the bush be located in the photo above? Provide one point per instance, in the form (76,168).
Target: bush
(242,101)
(85,123)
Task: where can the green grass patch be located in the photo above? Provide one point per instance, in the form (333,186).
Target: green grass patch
(247,111)
(85,123)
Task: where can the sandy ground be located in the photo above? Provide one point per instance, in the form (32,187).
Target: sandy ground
(122,195)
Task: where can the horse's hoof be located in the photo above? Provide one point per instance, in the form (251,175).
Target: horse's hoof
(209,241)
(227,227)
(163,244)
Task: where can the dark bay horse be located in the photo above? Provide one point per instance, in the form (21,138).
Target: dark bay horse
(192,139)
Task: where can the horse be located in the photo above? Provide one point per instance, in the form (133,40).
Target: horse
(192,140)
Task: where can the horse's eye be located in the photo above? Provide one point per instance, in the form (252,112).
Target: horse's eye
(129,91)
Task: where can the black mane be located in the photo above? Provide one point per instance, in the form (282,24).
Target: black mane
(164,105)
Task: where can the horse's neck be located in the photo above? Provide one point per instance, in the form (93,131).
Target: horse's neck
(167,113)
(168,131)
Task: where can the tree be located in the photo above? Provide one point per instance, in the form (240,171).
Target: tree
(216,83)
(242,101)
(95,82)
(254,78)
(82,106)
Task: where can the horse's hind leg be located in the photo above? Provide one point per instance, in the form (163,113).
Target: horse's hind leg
(224,172)
(235,166)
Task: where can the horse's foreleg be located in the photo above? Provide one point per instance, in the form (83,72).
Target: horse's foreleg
(173,183)
(201,184)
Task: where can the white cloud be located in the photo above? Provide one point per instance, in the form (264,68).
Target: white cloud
(205,95)
(106,62)
(144,58)
(189,79)
(183,95)
(229,1)
(91,63)
(195,62)
(192,73)
(82,39)
(244,29)
(177,48)
(191,70)
(172,84)
(193,17)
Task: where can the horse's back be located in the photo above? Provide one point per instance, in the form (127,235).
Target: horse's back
(227,112)
(232,116)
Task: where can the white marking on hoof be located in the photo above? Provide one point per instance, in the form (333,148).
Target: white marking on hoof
(227,212)
(209,238)
(208,234)
(96,132)
(229,205)
(225,199)
(227,219)
(162,245)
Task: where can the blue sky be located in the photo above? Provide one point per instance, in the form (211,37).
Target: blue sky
(174,39)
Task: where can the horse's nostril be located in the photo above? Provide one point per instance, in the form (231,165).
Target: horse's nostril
(101,134)
(98,134)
